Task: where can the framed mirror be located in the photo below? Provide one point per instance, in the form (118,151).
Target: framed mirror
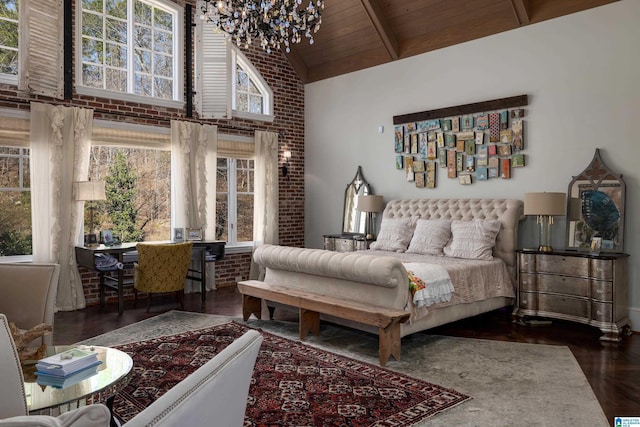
(595,208)
(353,221)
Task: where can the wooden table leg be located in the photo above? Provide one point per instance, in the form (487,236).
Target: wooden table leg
(389,343)
(309,322)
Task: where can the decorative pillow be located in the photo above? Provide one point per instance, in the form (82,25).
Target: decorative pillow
(430,236)
(395,234)
(472,239)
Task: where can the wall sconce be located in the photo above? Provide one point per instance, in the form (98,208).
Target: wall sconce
(545,206)
(285,166)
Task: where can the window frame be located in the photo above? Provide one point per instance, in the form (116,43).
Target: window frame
(238,58)
(178,59)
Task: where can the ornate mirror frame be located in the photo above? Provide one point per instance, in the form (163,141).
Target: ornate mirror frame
(596,198)
(353,221)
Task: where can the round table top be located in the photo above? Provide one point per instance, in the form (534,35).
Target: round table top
(112,377)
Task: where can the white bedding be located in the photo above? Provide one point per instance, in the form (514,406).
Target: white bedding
(473,280)
(438,286)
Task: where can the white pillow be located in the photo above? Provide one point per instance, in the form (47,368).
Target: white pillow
(395,234)
(430,236)
(472,239)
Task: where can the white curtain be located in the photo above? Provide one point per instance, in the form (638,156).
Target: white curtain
(193,177)
(265,211)
(60,144)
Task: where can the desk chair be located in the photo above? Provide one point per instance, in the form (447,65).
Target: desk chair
(161,268)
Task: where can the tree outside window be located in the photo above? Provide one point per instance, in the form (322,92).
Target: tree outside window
(234,200)
(15,202)
(9,37)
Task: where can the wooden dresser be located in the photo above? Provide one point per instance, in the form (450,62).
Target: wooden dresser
(575,286)
(345,242)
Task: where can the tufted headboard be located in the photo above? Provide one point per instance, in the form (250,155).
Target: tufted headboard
(508,211)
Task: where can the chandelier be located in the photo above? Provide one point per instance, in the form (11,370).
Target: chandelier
(274,23)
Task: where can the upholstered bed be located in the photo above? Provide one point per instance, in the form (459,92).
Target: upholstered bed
(482,278)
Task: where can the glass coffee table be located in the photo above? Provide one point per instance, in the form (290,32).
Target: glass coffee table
(112,376)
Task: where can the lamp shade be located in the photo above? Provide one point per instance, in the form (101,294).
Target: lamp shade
(90,190)
(545,204)
(369,203)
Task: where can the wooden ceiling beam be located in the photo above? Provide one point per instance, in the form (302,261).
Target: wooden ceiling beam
(376,16)
(522,11)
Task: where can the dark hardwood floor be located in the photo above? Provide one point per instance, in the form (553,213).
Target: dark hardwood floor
(613,370)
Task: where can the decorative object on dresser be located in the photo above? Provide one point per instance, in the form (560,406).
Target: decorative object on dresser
(371,205)
(596,199)
(544,206)
(575,286)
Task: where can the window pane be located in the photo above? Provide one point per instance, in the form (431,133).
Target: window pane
(255,104)
(15,202)
(8,61)
(9,172)
(142,61)
(142,37)
(91,51)
(92,76)
(221,178)
(9,9)
(143,85)
(142,13)
(222,215)
(163,88)
(116,8)
(163,65)
(163,20)
(92,25)
(8,33)
(243,80)
(95,5)
(116,80)
(243,102)
(116,30)
(163,42)
(116,56)
(138,186)
(245,218)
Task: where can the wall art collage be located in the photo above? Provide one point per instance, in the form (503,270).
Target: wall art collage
(471,147)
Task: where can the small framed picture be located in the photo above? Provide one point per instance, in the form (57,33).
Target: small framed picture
(107,237)
(178,234)
(596,245)
(194,233)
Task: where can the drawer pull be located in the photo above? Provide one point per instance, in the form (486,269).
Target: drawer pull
(600,269)
(599,313)
(599,291)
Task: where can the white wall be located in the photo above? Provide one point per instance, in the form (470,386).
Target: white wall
(581,73)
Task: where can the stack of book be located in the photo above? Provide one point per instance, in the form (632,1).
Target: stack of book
(67,368)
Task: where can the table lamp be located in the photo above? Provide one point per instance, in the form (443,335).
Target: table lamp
(370,204)
(90,191)
(545,206)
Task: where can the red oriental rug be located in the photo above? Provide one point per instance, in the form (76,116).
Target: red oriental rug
(322,388)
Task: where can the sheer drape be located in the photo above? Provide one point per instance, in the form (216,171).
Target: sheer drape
(265,211)
(60,144)
(193,182)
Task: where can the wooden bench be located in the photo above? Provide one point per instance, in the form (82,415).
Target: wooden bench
(310,305)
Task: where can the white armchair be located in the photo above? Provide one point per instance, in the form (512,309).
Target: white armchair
(214,395)
(28,294)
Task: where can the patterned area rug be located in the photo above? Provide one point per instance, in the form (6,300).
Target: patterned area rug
(293,384)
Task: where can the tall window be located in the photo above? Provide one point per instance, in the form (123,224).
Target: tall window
(15,202)
(248,96)
(132,46)
(234,200)
(138,187)
(8,41)
(252,97)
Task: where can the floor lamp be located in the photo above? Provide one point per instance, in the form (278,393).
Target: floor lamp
(545,206)
(90,191)
(370,204)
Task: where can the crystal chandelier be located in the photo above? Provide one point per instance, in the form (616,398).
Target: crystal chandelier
(274,23)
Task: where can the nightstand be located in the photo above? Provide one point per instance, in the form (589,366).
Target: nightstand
(346,242)
(576,286)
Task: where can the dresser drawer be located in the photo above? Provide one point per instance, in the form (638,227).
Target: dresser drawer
(569,306)
(602,312)
(602,269)
(575,266)
(602,291)
(565,285)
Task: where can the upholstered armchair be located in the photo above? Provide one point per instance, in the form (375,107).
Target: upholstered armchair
(162,268)
(28,294)
(215,394)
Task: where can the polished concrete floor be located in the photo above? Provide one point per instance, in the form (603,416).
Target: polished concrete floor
(613,370)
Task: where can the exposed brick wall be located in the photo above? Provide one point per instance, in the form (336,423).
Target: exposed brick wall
(289,123)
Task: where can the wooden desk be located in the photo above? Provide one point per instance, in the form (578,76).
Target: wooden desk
(202,251)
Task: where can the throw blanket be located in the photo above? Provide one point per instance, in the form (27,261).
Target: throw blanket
(429,283)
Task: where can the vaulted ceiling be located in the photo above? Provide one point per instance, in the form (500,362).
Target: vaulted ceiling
(358,34)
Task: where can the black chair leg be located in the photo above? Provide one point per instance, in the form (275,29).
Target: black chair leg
(148,302)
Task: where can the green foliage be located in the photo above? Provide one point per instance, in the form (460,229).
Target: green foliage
(14,243)
(121,195)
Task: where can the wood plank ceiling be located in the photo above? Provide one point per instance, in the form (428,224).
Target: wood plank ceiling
(358,34)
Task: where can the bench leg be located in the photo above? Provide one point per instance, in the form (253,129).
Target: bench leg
(309,322)
(251,305)
(389,342)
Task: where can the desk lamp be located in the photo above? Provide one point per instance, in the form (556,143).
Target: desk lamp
(90,191)
(545,206)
